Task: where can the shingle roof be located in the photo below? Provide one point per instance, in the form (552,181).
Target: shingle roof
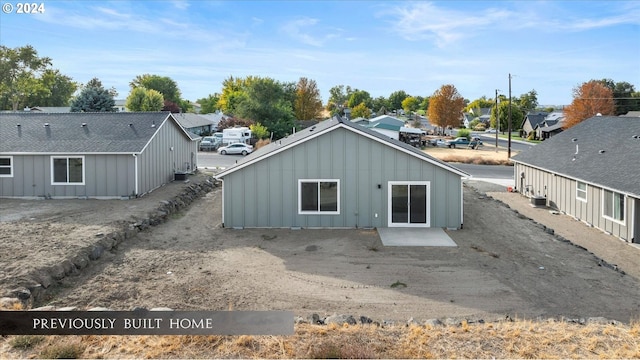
(125,132)
(326,126)
(535,119)
(616,167)
(190,121)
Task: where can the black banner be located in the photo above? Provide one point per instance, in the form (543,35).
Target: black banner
(146,323)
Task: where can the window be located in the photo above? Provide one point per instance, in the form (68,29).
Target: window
(6,166)
(581,191)
(613,205)
(318,197)
(67,170)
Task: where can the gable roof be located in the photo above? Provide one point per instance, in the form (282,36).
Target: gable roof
(117,132)
(327,126)
(385,122)
(535,119)
(616,167)
(190,120)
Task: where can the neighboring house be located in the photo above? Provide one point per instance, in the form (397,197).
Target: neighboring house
(196,124)
(120,105)
(589,171)
(215,118)
(548,128)
(360,121)
(50,109)
(530,122)
(341,175)
(484,117)
(386,125)
(91,155)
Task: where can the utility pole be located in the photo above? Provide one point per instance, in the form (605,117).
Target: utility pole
(497,120)
(509,128)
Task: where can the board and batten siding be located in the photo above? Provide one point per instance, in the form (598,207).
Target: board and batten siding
(265,194)
(105,175)
(169,151)
(560,192)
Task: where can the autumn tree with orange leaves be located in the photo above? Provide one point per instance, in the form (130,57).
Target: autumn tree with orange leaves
(589,99)
(445,107)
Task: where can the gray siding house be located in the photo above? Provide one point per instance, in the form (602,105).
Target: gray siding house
(590,171)
(341,175)
(94,155)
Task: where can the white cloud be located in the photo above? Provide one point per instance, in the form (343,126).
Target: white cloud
(301,30)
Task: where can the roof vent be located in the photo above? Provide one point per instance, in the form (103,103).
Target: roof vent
(635,137)
(84,124)
(574,139)
(18,125)
(601,152)
(130,125)
(598,114)
(46,124)
(153,124)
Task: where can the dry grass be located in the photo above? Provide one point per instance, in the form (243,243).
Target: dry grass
(519,339)
(483,156)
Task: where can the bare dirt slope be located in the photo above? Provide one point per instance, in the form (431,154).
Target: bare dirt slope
(504,264)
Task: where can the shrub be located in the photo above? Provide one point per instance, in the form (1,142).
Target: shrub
(63,351)
(464,133)
(25,341)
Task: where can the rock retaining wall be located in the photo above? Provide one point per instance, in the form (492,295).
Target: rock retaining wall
(28,290)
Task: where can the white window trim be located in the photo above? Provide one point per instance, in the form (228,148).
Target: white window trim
(578,191)
(390,223)
(623,210)
(300,212)
(10,174)
(84,168)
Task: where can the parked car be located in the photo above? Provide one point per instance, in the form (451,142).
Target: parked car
(438,142)
(236,148)
(463,141)
(491,131)
(209,145)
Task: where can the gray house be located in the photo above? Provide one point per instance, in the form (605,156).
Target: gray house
(590,171)
(95,155)
(196,124)
(341,175)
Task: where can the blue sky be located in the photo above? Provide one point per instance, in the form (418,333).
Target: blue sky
(380,47)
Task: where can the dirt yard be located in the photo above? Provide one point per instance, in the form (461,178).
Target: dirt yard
(504,265)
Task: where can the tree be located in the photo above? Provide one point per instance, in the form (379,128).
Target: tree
(517,116)
(142,99)
(445,107)
(19,71)
(163,84)
(171,107)
(589,99)
(209,104)
(259,131)
(60,89)
(232,121)
(358,97)
(480,103)
(94,98)
(337,100)
(623,96)
(270,102)
(529,101)
(307,104)
(360,110)
(380,103)
(233,93)
(396,98)
(410,104)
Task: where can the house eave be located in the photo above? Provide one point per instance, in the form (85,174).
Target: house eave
(588,182)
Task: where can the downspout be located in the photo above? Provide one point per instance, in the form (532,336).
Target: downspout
(135,166)
(461,204)
(222,202)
